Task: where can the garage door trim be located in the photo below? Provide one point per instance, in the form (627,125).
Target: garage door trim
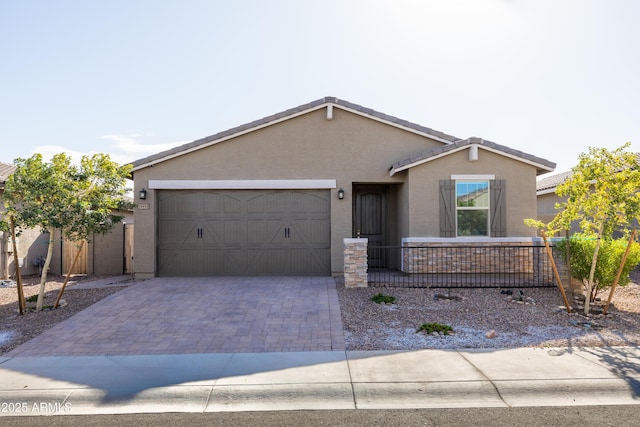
(242,184)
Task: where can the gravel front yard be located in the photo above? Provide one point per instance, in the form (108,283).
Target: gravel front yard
(540,319)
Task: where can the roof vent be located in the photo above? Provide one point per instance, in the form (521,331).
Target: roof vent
(473,152)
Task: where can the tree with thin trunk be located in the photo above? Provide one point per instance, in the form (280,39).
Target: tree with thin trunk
(78,201)
(603,195)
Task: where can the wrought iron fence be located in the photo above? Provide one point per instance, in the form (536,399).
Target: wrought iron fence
(468,266)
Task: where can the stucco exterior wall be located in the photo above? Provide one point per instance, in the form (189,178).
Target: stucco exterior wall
(106,252)
(520,180)
(31,244)
(546,206)
(349,148)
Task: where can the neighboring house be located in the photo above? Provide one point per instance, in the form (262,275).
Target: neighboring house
(277,196)
(108,254)
(547,197)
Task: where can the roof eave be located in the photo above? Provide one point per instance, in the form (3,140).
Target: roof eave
(540,167)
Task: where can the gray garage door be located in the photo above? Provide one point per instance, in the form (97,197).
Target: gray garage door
(243,232)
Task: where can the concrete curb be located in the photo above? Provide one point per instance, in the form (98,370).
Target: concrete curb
(319,380)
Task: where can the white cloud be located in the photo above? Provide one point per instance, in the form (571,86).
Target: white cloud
(130,145)
(122,148)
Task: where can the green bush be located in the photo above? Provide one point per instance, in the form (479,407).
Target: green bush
(386,299)
(435,327)
(581,249)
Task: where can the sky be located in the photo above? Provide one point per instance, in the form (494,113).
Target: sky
(134,77)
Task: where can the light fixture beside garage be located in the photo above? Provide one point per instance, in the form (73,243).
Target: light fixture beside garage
(341,194)
(142,194)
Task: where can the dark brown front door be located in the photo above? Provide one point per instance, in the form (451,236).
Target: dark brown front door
(370,220)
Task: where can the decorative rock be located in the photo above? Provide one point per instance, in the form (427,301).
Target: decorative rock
(435,334)
(63,302)
(490,334)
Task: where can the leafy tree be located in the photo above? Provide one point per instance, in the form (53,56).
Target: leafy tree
(602,195)
(79,201)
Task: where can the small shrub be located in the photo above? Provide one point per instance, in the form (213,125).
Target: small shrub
(435,327)
(383,299)
(32,298)
(581,249)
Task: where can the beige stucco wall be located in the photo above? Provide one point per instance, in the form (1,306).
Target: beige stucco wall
(349,148)
(31,244)
(546,206)
(425,198)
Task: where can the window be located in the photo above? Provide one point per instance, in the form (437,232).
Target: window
(472,208)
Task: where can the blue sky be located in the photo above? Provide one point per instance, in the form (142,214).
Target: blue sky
(133,77)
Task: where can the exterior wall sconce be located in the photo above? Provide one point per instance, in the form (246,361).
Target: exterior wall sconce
(341,194)
(142,194)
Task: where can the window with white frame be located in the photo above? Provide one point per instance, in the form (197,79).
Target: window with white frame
(472,207)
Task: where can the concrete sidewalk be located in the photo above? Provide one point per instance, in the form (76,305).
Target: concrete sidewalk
(319,380)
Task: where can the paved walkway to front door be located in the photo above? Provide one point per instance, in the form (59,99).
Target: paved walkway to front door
(201,315)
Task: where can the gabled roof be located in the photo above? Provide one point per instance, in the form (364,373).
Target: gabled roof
(541,164)
(5,170)
(548,184)
(326,102)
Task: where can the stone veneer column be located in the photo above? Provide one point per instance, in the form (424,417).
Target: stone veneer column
(355,263)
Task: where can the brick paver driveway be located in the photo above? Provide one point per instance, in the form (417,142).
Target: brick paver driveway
(201,315)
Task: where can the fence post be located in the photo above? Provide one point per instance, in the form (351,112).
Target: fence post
(355,263)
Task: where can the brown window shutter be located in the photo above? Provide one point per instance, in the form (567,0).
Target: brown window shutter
(447,208)
(498,208)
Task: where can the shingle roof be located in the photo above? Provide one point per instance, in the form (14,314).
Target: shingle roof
(541,164)
(5,170)
(290,113)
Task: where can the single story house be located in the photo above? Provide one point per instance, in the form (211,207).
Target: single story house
(107,254)
(277,196)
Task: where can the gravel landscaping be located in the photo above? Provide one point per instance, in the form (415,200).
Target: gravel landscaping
(485,318)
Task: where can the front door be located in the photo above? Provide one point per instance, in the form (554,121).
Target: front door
(370,220)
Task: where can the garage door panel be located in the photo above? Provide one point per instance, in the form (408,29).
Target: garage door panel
(169,205)
(190,204)
(234,231)
(225,232)
(232,204)
(265,231)
(308,261)
(310,203)
(233,262)
(213,229)
(183,263)
(311,232)
(260,203)
(271,262)
(178,232)
(213,203)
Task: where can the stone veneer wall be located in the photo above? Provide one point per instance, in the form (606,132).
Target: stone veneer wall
(521,256)
(355,263)
(483,256)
